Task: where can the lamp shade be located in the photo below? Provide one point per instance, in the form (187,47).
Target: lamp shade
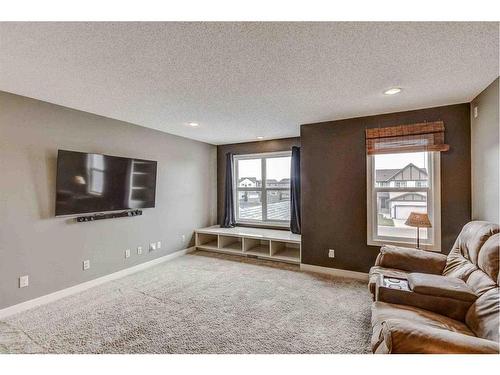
(417,219)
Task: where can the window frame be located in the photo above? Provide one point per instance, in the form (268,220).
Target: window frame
(433,189)
(263,189)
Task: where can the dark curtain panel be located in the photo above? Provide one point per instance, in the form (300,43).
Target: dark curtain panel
(229,220)
(295,191)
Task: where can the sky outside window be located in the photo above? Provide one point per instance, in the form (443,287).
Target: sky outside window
(398,161)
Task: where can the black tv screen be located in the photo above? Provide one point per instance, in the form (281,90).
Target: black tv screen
(95,183)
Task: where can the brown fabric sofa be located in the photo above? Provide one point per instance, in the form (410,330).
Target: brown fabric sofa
(466,319)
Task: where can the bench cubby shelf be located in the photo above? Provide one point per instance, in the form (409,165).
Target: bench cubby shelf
(285,250)
(207,240)
(231,243)
(269,244)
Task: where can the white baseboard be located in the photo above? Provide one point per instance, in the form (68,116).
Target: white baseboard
(89,284)
(334,272)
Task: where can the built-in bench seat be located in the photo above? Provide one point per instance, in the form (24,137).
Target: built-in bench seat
(264,243)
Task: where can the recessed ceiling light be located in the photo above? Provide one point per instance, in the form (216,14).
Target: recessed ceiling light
(193,124)
(260,137)
(393,91)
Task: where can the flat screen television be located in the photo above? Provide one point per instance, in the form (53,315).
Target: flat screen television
(96,183)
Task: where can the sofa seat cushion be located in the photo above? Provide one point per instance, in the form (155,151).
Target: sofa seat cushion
(382,311)
(441,286)
(375,271)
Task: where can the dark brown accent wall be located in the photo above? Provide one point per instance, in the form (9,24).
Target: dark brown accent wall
(274,145)
(333,167)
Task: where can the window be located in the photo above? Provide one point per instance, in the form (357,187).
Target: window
(262,188)
(398,184)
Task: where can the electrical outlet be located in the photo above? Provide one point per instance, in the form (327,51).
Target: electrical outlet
(183,238)
(331,253)
(158,245)
(86,264)
(152,246)
(24,281)
(139,250)
(127,253)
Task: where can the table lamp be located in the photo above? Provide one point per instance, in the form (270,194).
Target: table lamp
(418,220)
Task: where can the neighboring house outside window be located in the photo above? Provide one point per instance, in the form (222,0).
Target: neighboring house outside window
(399,184)
(262,188)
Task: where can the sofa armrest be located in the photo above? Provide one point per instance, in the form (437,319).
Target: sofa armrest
(441,286)
(400,336)
(411,260)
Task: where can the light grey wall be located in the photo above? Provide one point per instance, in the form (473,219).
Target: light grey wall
(51,250)
(485,155)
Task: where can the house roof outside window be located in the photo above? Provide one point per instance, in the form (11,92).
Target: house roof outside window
(283,183)
(386,175)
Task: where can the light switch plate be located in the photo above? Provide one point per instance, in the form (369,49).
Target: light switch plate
(24,281)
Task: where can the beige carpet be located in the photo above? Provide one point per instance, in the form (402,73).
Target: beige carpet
(201,303)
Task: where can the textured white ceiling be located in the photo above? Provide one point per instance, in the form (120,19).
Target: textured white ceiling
(243,80)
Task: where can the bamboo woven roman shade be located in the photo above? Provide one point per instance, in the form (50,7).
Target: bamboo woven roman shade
(427,136)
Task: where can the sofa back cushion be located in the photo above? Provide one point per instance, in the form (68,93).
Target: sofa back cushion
(488,259)
(464,258)
(480,282)
(483,316)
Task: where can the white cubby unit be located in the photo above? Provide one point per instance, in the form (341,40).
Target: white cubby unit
(271,244)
